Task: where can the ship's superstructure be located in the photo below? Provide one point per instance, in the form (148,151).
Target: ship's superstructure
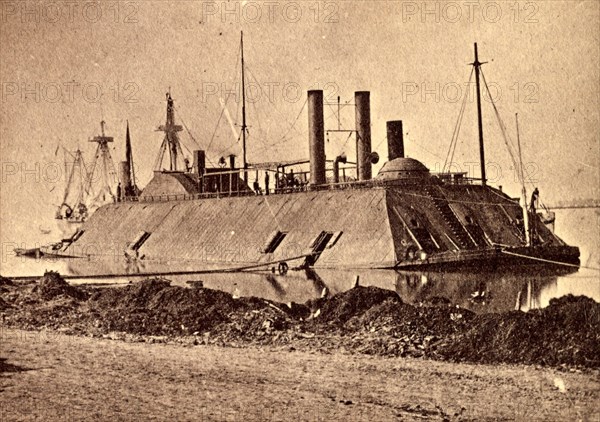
(404,217)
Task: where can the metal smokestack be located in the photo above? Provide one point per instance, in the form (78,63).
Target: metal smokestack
(336,167)
(363,134)
(316,136)
(395,139)
(199,161)
(198,167)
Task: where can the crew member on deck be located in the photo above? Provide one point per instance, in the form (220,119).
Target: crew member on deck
(534,200)
(290,179)
(266,182)
(256,187)
(119,192)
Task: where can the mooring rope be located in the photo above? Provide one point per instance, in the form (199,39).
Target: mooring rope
(167,273)
(549,260)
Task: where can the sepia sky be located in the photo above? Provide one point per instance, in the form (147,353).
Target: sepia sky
(65,66)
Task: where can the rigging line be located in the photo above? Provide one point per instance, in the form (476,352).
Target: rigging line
(461,116)
(185,126)
(191,136)
(448,154)
(549,260)
(344,104)
(77,161)
(497,194)
(413,142)
(93,170)
(505,135)
(465,202)
(454,139)
(282,140)
(226,101)
(350,136)
(216,126)
(262,90)
(68,152)
(161,155)
(295,120)
(182,152)
(69,182)
(228,148)
(500,123)
(342,147)
(254,102)
(304,132)
(171,273)
(88,188)
(337,116)
(237,141)
(376,146)
(459,125)
(520,169)
(260,129)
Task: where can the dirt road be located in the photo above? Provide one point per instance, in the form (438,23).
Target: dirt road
(49,376)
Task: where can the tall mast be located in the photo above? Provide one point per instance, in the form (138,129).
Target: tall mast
(128,155)
(103,153)
(477,65)
(523,189)
(169,125)
(244,115)
(129,158)
(171,140)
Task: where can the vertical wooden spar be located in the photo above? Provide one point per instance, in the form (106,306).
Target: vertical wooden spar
(339,116)
(107,166)
(129,156)
(523,189)
(477,65)
(244,114)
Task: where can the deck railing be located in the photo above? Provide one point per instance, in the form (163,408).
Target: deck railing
(447,178)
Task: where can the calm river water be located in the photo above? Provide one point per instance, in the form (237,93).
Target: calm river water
(516,288)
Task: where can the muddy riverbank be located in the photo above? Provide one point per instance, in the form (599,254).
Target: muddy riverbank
(50,376)
(365,320)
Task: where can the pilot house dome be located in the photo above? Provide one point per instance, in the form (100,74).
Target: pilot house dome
(401,168)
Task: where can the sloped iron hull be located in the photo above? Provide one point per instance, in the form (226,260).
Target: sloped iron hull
(397,226)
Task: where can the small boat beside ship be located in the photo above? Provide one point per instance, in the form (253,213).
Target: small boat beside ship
(405,217)
(28,252)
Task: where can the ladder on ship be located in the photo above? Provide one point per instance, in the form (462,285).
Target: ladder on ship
(460,234)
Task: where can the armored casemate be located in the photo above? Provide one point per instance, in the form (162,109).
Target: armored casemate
(404,217)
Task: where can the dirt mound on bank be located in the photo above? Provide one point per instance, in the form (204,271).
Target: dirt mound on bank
(344,306)
(566,332)
(364,319)
(3,304)
(155,307)
(6,281)
(404,319)
(52,285)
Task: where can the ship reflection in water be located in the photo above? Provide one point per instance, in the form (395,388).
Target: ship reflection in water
(521,288)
